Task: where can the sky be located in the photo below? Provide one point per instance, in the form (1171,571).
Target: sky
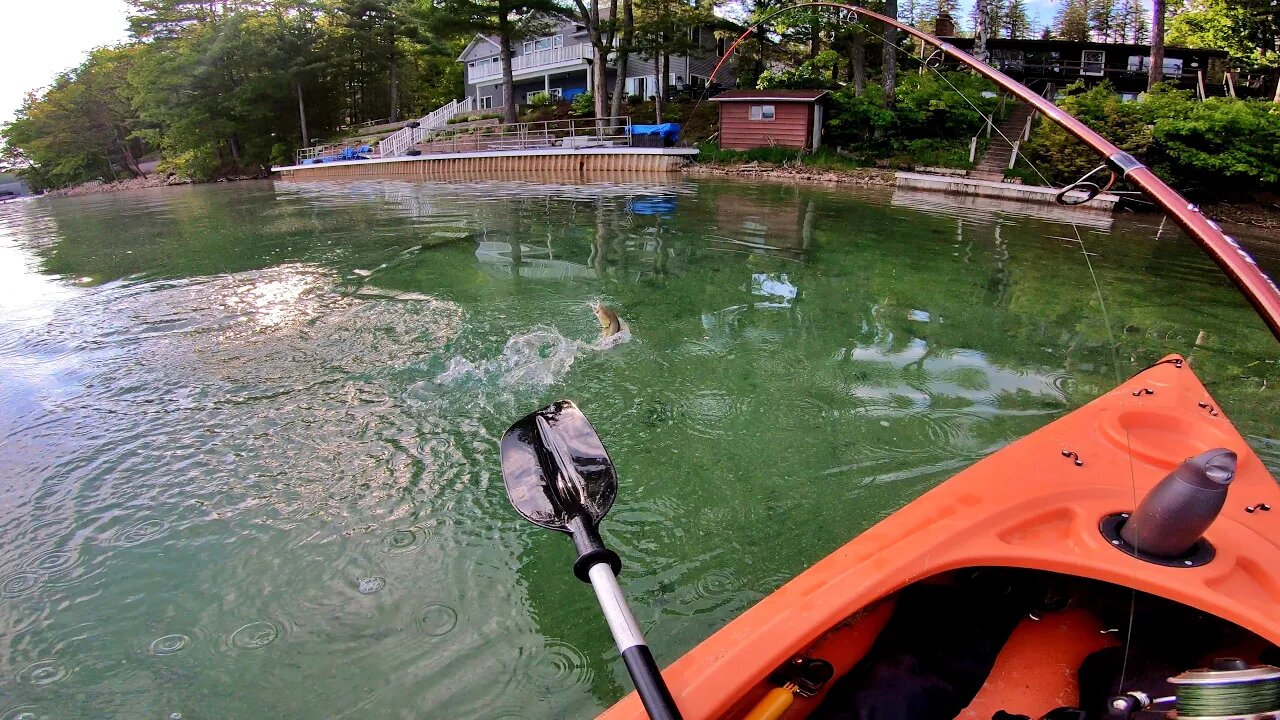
(30,60)
(48,36)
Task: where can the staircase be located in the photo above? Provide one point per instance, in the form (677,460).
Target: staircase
(406,137)
(1000,152)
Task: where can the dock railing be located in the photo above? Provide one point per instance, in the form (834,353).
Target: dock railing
(406,137)
(568,134)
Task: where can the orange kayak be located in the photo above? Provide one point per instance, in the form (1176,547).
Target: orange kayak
(1011,588)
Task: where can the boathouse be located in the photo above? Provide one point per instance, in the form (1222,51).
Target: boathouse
(770,118)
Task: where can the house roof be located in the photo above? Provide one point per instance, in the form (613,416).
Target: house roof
(782,95)
(478,38)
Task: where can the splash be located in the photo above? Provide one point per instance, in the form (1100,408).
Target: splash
(539,357)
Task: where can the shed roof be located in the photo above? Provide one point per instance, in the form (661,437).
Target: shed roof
(774,95)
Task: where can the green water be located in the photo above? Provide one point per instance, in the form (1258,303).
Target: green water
(249,461)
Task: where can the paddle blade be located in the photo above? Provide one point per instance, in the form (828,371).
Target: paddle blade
(555,468)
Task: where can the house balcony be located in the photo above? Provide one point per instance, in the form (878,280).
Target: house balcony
(534,63)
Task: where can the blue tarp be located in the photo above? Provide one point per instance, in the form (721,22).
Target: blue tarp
(664,206)
(669,131)
(572,93)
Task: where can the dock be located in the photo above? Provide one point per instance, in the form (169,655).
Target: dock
(972,187)
(437,147)
(487,162)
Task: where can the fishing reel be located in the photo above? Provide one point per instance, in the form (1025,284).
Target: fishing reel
(1231,689)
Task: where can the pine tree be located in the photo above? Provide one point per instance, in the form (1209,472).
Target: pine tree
(1102,19)
(1072,21)
(1015,22)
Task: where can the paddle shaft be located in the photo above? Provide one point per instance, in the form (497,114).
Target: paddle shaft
(630,641)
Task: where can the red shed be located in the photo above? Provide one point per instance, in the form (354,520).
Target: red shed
(767,118)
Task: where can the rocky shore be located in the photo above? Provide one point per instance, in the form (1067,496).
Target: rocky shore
(95,187)
(766,171)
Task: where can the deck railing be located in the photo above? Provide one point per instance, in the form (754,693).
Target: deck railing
(570,134)
(536,59)
(406,137)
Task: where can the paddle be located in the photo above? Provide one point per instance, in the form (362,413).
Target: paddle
(559,477)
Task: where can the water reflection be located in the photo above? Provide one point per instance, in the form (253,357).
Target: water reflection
(252,458)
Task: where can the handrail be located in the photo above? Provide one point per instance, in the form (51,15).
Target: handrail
(407,136)
(567,134)
(535,59)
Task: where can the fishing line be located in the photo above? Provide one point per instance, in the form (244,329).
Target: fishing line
(1092,190)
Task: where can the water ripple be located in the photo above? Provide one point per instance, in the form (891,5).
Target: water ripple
(254,636)
(43,672)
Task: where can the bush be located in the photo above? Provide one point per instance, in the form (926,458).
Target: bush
(541,99)
(584,103)
(1210,150)
(926,107)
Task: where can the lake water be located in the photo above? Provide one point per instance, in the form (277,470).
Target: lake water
(250,431)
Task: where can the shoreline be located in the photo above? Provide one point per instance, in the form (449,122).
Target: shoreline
(1252,218)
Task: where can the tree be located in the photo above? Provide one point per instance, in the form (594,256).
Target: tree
(624,46)
(1245,29)
(1015,21)
(82,127)
(889,61)
(1102,19)
(1072,21)
(1156,73)
(985,17)
(507,20)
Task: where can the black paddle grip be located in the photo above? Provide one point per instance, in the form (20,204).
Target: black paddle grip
(591,549)
(648,681)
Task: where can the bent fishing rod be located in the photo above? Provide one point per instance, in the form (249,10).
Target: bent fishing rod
(1234,260)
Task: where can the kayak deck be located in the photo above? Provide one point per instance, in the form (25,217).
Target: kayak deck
(1036,504)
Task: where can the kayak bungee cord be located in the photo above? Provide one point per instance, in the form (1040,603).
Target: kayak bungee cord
(1261,291)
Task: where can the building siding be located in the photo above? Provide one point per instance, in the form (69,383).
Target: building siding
(791,126)
(699,64)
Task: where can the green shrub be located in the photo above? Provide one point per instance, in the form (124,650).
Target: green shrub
(1216,149)
(541,99)
(926,107)
(584,103)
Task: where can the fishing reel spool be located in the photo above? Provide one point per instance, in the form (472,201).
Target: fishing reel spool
(1229,690)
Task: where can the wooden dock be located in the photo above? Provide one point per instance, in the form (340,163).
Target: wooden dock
(492,162)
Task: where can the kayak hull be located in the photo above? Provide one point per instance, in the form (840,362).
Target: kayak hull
(1036,504)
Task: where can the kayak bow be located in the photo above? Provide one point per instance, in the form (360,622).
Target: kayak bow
(1042,506)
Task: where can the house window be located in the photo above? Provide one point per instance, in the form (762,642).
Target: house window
(698,82)
(486,102)
(694,33)
(1092,62)
(1142,63)
(546,43)
(720,47)
(762,112)
(471,64)
(555,93)
(639,86)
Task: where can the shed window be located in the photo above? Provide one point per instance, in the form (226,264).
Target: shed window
(761,112)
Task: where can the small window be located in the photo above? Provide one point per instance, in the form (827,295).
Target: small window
(495,60)
(720,47)
(471,64)
(486,102)
(557,41)
(526,47)
(693,35)
(542,44)
(762,112)
(1092,62)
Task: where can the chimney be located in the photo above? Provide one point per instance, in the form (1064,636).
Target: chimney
(944,26)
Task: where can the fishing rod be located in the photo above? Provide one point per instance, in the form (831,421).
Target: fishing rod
(1261,291)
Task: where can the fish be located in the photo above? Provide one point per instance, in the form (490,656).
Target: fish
(610,323)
